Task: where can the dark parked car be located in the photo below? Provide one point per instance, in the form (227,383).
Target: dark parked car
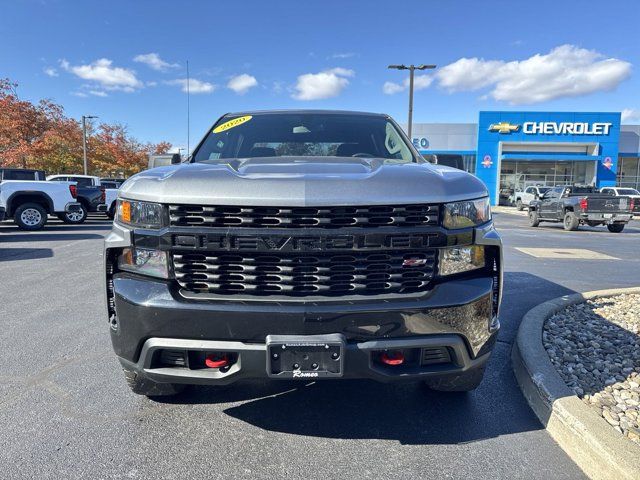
(90,194)
(575,205)
(112,182)
(303,245)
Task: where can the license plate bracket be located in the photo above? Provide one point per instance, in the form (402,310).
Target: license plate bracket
(305,357)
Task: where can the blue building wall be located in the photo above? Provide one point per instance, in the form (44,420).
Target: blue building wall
(488,161)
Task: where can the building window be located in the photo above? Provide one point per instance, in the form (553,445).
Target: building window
(628,174)
(469,163)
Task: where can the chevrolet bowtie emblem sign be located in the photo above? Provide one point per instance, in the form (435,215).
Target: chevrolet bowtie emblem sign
(503,127)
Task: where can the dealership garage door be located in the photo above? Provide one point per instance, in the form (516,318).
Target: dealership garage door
(549,164)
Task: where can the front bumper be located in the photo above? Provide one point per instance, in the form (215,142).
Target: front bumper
(457,315)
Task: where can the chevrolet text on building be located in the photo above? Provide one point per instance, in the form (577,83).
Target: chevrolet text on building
(552,128)
(566,128)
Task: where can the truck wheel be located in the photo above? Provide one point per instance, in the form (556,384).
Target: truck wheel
(519,205)
(74,218)
(616,227)
(111,213)
(145,386)
(30,216)
(465,382)
(571,222)
(534,221)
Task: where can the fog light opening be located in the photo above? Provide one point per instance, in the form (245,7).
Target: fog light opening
(217,360)
(392,357)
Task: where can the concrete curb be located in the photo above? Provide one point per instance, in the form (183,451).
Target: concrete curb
(600,451)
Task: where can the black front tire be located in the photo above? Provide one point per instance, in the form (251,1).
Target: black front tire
(571,221)
(615,227)
(111,213)
(534,220)
(519,205)
(465,382)
(74,218)
(150,388)
(30,216)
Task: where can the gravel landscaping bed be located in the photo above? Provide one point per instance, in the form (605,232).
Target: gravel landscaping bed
(595,346)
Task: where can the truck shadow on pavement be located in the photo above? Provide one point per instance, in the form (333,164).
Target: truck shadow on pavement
(14,254)
(408,413)
(47,237)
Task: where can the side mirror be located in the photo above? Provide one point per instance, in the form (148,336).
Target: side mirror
(176,158)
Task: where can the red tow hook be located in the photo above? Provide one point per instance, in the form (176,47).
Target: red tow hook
(395,357)
(216,360)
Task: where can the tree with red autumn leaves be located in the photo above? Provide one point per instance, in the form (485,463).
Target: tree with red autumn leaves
(41,136)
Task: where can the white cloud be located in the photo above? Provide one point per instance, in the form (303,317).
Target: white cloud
(630,115)
(79,94)
(153,60)
(390,88)
(325,84)
(343,55)
(420,82)
(566,71)
(98,93)
(195,85)
(242,83)
(104,74)
(50,71)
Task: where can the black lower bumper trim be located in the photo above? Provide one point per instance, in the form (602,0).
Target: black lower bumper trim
(251,363)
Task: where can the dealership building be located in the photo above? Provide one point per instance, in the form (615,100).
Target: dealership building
(513,150)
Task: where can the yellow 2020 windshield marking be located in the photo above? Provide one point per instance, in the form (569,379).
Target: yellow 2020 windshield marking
(232,123)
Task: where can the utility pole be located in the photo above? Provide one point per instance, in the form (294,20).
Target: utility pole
(411,69)
(84,141)
(188,112)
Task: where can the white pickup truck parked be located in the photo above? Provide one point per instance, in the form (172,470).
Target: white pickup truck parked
(522,199)
(29,202)
(626,192)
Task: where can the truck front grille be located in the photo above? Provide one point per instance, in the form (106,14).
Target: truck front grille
(309,274)
(304,217)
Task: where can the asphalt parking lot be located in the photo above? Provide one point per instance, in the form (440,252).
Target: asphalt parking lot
(65,411)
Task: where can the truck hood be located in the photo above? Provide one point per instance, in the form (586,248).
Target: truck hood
(302,181)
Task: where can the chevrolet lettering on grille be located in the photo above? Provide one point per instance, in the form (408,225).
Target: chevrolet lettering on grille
(304,243)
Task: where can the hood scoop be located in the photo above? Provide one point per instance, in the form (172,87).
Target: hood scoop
(303,166)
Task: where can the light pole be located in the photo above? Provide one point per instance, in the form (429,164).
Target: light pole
(84,141)
(411,69)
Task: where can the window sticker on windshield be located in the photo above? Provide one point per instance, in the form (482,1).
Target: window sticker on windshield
(232,123)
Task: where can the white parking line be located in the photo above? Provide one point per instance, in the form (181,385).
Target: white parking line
(566,253)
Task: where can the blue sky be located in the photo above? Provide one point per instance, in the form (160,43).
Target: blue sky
(97,58)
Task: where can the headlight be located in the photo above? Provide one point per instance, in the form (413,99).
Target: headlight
(466,214)
(145,262)
(460,259)
(140,214)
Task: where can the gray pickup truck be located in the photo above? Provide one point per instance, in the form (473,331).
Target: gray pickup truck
(303,245)
(576,205)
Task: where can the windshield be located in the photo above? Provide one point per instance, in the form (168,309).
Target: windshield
(628,191)
(544,189)
(302,135)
